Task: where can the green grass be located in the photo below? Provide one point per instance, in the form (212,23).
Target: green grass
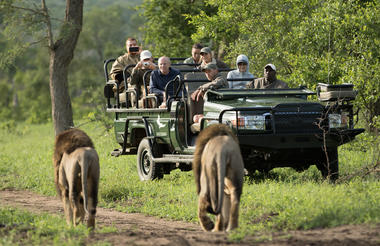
(284,200)
(24,228)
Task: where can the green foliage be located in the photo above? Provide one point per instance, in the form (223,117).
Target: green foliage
(24,76)
(283,200)
(166,30)
(309,41)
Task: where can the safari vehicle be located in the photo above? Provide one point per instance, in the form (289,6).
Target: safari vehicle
(276,128)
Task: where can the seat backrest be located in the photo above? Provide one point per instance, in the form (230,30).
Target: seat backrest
(106,63)
(192,86)
(224,74)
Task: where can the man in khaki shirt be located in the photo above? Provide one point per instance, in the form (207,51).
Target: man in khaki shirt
(131,57)
(269,81)
(217,81)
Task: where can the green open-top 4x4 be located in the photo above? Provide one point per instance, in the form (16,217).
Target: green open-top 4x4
(275,128)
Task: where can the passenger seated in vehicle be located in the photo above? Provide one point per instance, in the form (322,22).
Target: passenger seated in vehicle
(242,72)
(196,102)
(269,81)
(131,57)
(136,80)
(206,56)
(160,77)
(195,55)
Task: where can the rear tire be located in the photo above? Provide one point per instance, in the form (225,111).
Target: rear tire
(329,170)
(147,169)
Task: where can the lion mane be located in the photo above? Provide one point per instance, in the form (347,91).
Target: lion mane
(67,142)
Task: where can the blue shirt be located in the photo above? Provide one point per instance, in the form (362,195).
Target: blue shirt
(158,81)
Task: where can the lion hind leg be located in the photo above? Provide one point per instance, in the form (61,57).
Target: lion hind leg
(233,200)
(75,191)
(219,223)
(205,221)
(67,206)
(74,201)
(92,200)
(63,187)
(234,212)
(91,185)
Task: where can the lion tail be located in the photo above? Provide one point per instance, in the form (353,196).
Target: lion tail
(217,194)
(84,171)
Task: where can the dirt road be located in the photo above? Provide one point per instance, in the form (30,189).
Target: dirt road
(138,229)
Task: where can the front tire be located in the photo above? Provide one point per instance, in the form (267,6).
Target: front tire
(147,169)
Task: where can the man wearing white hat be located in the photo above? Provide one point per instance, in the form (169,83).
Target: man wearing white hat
(136,80)
(269,81)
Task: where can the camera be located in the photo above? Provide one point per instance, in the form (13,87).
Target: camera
(134,49)
(146,63)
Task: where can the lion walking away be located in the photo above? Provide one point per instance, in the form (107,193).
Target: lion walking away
(76,168)
(219,171)
(66,142)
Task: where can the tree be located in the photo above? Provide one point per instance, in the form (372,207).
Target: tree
(167,30)
(310,42)
(23,17)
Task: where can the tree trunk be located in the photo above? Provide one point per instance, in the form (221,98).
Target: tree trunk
(61,55)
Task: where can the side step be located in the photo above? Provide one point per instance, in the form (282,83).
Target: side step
(174,159)
(119,152)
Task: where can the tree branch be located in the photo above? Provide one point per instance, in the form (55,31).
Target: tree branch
(48,24)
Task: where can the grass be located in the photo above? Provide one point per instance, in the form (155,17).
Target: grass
(283,200)
(23,228)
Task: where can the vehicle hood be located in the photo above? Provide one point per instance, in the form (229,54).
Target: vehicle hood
(252,102)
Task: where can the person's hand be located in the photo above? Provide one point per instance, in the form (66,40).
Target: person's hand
(197,118)
(139,65)
(197,94)
(152,66)
(163,105)
(200,95)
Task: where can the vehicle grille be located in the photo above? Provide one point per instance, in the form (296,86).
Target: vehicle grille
(297,118)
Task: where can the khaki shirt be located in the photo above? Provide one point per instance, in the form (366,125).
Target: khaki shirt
(262,83)
(218,82)
(123,61)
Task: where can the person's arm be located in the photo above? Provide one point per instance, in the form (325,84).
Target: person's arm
(217,83)
(133,79)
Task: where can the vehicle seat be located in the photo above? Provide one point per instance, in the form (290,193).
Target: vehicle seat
(193,86)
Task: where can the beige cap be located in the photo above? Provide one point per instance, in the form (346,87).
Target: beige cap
(145,54)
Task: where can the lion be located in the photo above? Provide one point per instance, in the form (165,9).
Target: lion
(79,183)
(219,171)
(66,142)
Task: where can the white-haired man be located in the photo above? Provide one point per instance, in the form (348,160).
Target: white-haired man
(160,77)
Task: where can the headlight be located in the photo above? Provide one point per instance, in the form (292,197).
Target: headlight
(338,120)
(249,122)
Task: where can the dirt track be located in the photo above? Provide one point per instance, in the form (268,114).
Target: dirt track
(138,229)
